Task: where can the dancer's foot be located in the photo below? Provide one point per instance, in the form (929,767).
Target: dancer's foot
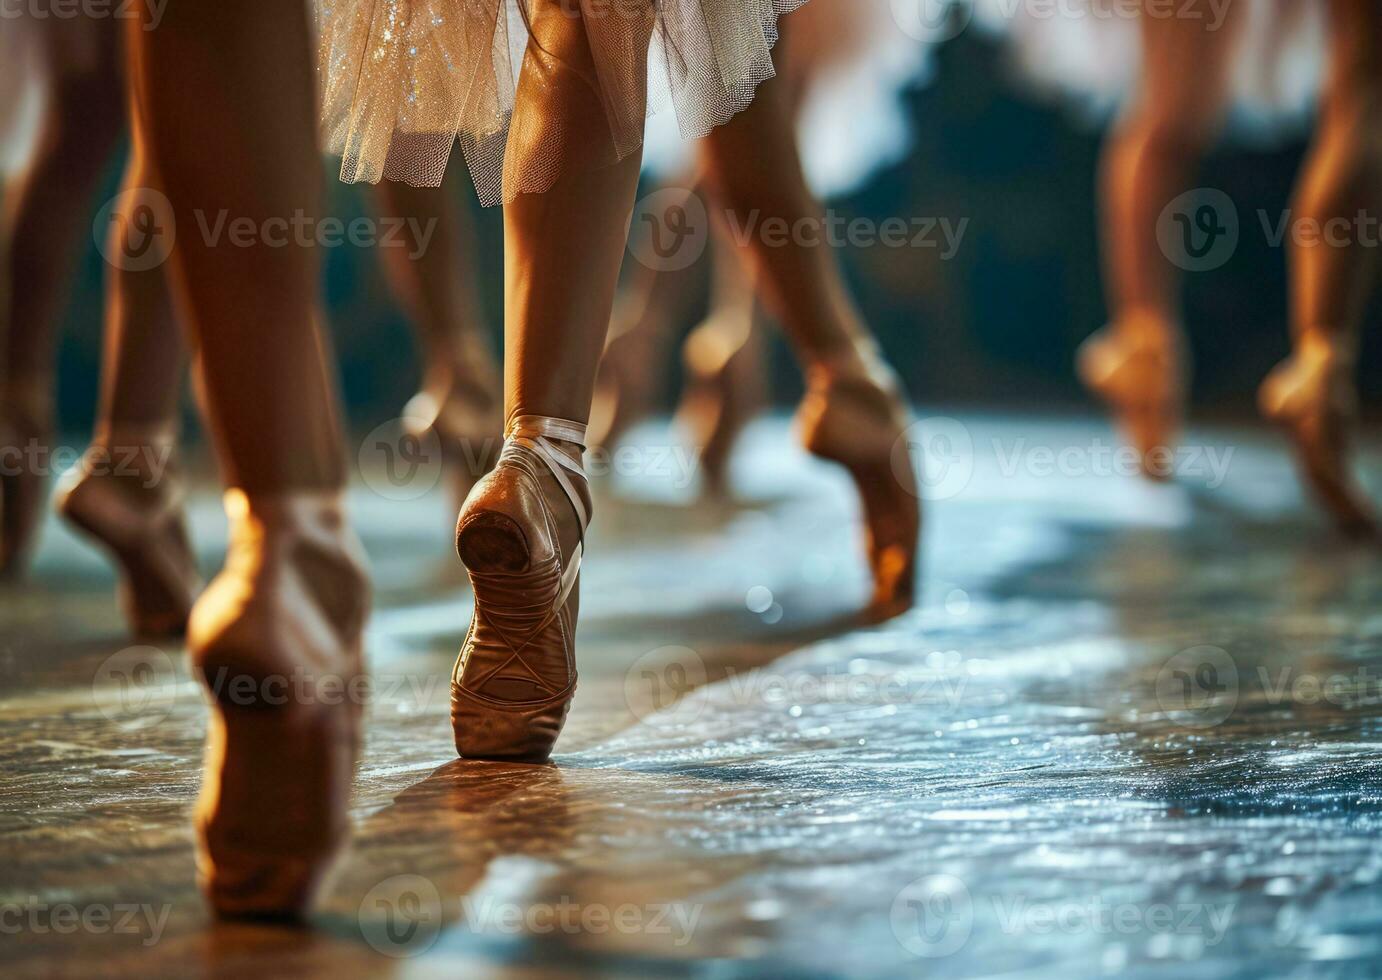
(520,535)
(125,495)
(24,427)
(1312,396)
(464,411)
(724,389)
(1138,370)
(854,414)
(276,640)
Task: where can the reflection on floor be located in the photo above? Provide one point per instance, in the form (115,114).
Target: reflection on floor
(1132,728)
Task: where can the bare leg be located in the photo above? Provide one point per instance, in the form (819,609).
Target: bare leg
(521,529)
(432,275)
(854,412)
(639,335)
(225,110)
(723,361)
(127,494)
(1313,393)
(46,216)
(1137,365)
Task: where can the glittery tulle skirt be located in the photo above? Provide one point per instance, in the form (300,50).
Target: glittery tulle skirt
(403,81)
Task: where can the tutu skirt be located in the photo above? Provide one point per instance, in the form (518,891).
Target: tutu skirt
(403,81)
(850,64)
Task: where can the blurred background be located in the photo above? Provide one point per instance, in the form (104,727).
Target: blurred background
(996,324)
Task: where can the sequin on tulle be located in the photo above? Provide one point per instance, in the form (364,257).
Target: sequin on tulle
(403,80)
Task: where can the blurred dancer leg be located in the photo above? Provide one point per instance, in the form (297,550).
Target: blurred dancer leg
(461,400)
(1313,394)
(127,493)
(45,220)
(853,412)
(1138,364)
(225,112)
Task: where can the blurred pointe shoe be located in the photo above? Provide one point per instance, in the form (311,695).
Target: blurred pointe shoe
(854,415)
(1312,396)
(24,428)
(276,641)
(723,390)
(521,536)
(467,431)
(125,496)
(1138,370)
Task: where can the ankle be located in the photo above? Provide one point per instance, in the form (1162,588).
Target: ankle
(138,456)
(1326,347)
(1146,327)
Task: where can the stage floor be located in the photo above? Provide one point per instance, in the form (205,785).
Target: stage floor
(1132,728)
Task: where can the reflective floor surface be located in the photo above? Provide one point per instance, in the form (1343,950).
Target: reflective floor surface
(1131,730)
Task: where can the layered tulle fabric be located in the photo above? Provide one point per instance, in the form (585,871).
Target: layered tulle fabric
(849,63)
(1088,51)
(403,81)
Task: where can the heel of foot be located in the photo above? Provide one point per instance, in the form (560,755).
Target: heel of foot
(492,542)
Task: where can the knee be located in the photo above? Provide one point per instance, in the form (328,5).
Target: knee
(1172,130)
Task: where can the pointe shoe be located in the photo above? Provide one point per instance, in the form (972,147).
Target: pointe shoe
(522,543)
(1141,379)
(137,516)
(853,414)
(724,390)
(23,484)
(1312,396)
(276,641)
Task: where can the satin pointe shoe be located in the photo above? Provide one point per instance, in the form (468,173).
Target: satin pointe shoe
(724,390)
(126,496)
(854,414)
(1140,375)
(1312,396)
(521,536)
(276,641)
(24,427)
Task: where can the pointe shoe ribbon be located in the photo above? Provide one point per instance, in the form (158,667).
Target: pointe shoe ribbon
(515,677)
